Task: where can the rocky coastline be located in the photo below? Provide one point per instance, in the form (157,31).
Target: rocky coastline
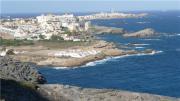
(71,57)
(16,85)
(148,32)
(103,30)
(144,33)
(57,92)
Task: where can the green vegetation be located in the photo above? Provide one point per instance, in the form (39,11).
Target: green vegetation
(54,42)
(28,85)
(42,37)
(62,44)
(56,38)
(15,42)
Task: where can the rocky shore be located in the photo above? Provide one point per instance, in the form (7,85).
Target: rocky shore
(57,92)
(148,32)
(20,82)
(73,56)
(104,29)
(15,70)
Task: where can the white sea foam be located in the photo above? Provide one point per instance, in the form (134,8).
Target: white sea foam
(94,63)
(97,62)
(117,57)
(142,22)
(139,47)
(178,49)
(137,44)
(153,39)
(171,35)
(60,67)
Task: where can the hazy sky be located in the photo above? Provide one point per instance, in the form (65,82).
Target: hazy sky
(44,6)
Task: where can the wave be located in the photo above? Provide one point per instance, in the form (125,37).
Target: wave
(94,63)
(141,44)
(139,47)
(136,44)
(178,49)
(171,35)
(142,22)
(152,39)
(60,67)
(97,62)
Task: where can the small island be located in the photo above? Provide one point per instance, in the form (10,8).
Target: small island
(148,32)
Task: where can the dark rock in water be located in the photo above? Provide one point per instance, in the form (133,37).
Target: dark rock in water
(148,32)
(10,52)
(19,91)
(18,71)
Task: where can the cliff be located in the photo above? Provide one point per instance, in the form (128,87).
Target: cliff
(19,71)
(19,81)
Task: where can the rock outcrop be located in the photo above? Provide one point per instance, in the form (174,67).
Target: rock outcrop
(56,92)
(19,91)
(148,32)
(18,71)
(103,29)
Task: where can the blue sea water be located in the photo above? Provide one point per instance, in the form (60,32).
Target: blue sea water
(157,74)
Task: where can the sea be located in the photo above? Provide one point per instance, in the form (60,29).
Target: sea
(157,73)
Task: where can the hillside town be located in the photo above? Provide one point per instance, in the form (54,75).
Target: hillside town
(66,26)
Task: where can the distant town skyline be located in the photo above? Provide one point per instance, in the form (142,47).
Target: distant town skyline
(44,6)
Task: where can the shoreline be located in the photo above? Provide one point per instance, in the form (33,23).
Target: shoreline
(100,61)
(55,92)
(72,57)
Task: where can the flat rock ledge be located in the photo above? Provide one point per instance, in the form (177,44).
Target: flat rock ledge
(104,30)
(58,92)
(148,32)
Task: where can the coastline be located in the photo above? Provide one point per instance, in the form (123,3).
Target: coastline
(55,92)
(72,56)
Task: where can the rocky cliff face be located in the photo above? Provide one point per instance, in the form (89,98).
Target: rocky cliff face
(19,81)
(18,71)
(142,33)
(19,91)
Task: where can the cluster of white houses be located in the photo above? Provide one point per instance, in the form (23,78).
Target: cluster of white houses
(46,25)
